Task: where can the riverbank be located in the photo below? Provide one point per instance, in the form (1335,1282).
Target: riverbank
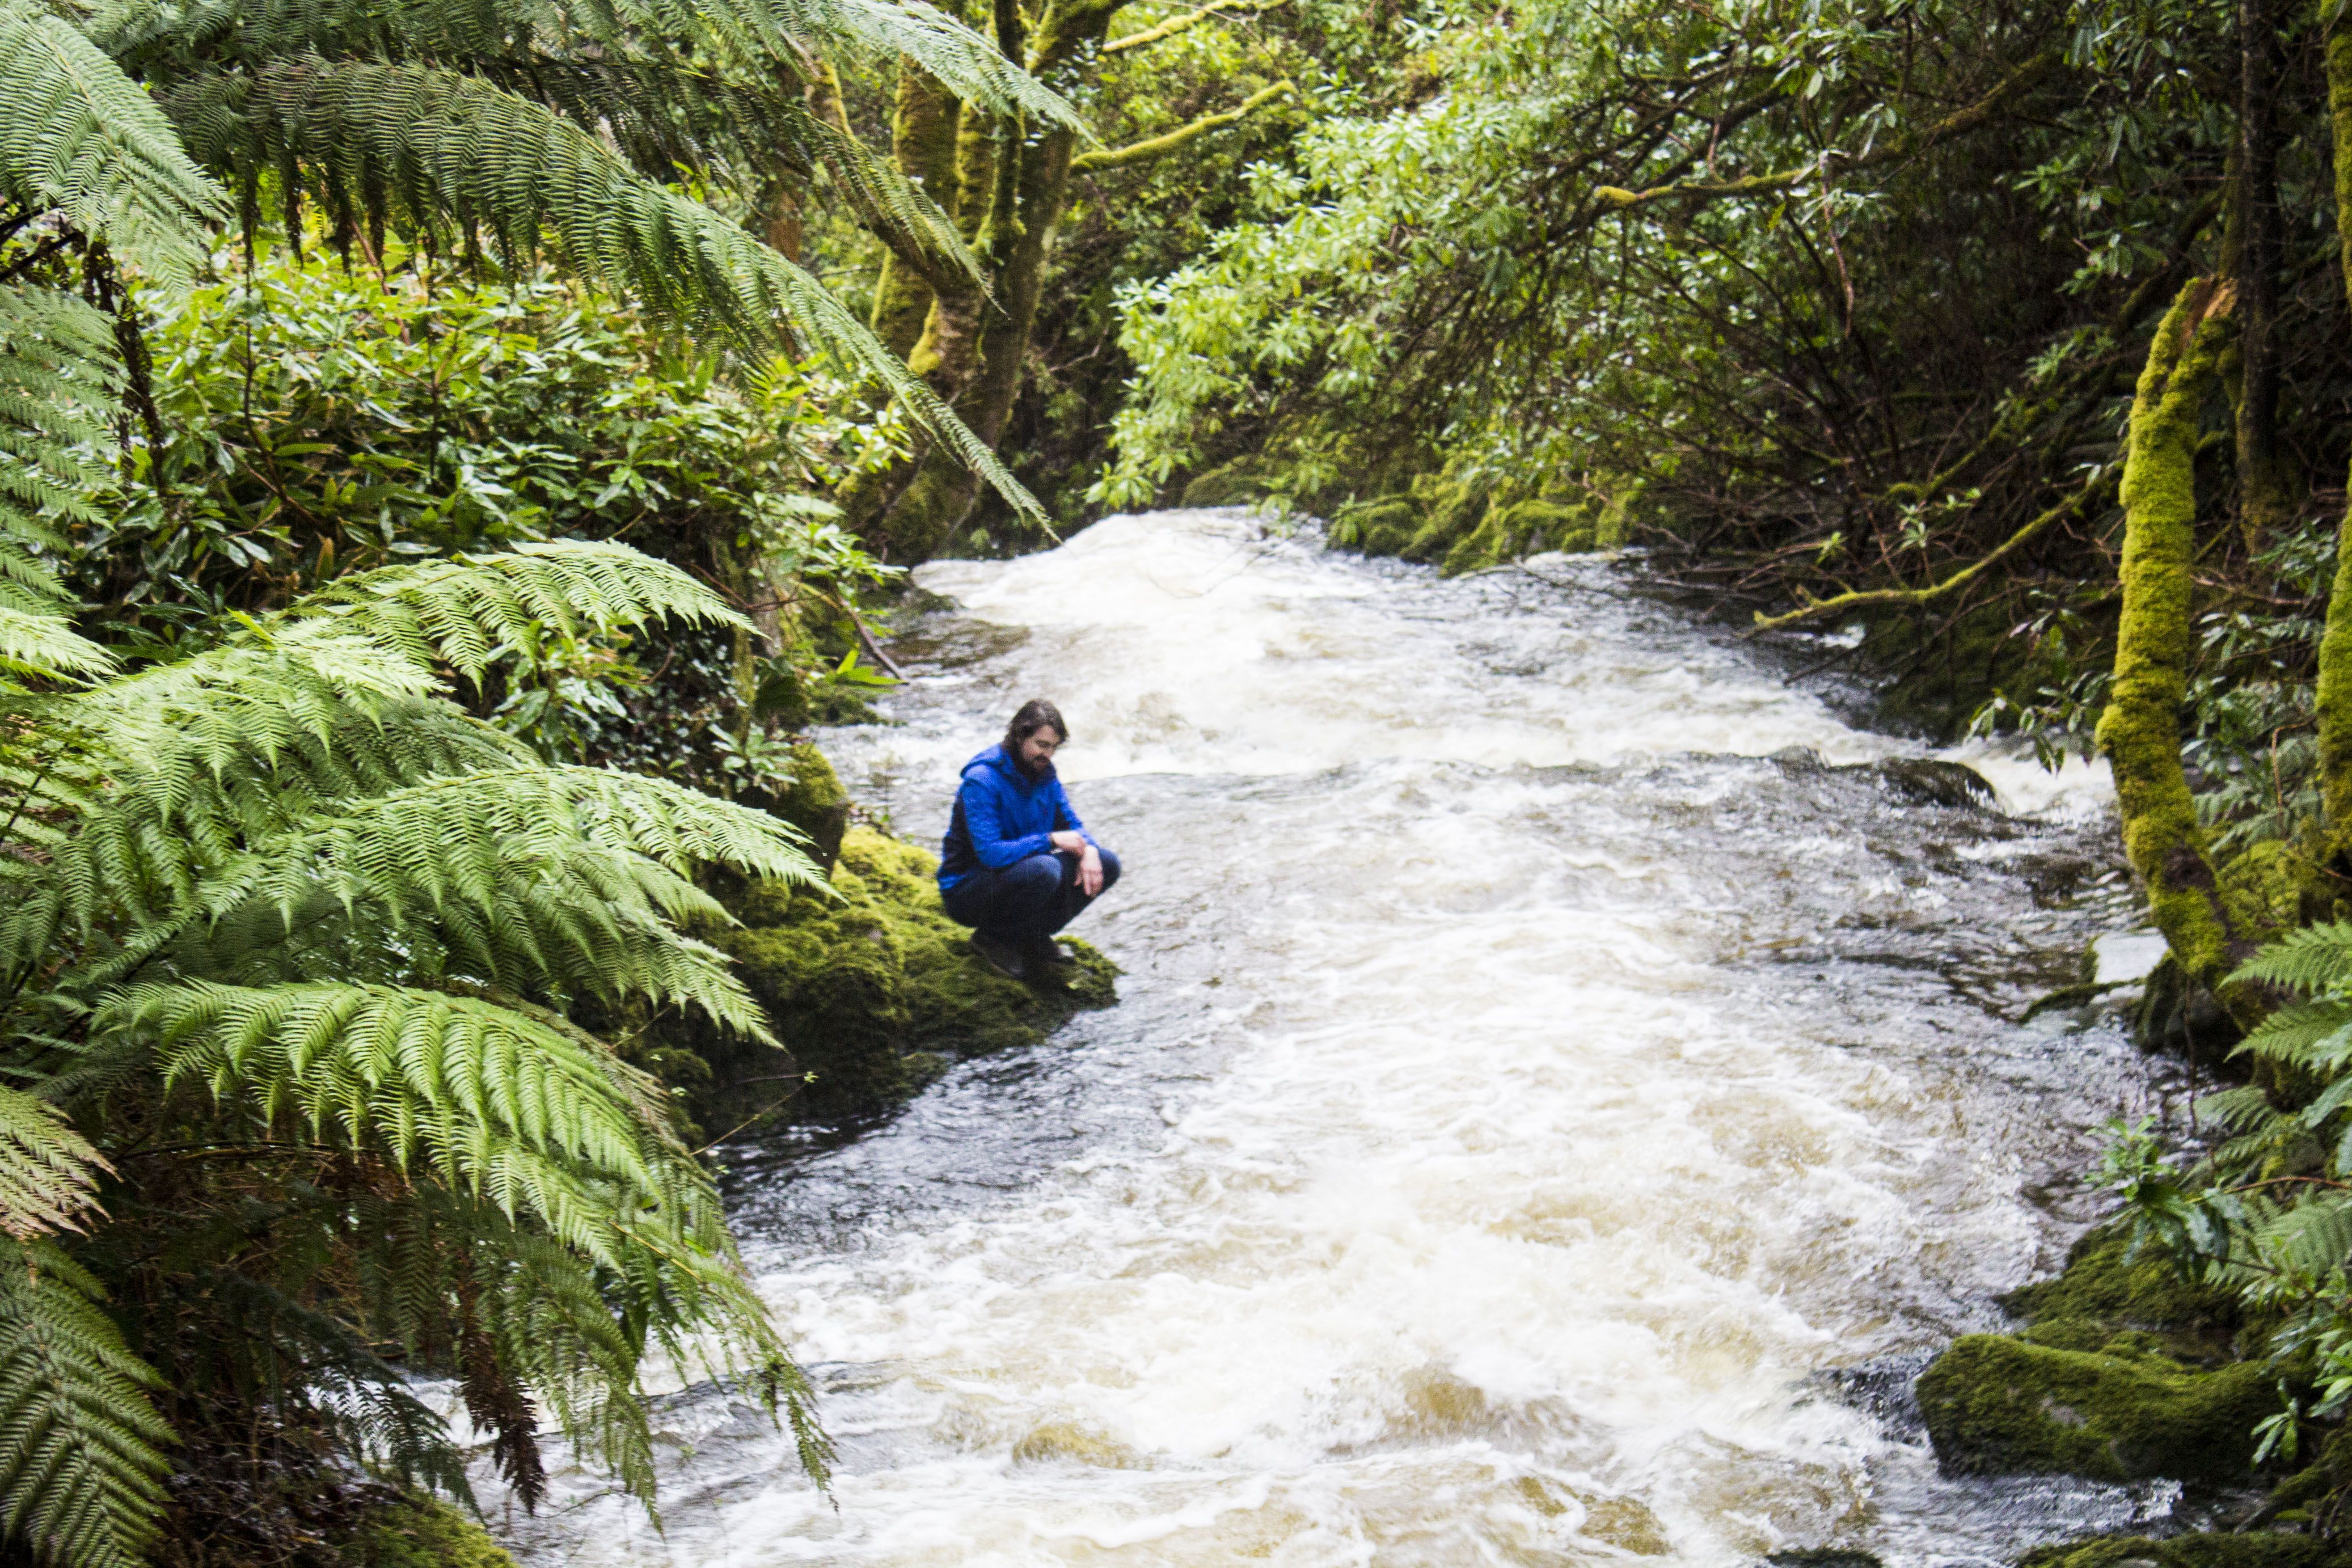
(871,990)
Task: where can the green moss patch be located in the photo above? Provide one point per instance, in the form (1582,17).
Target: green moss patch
(2002,1406)
(872,992)
(2104,1291)
(2255,1549)
(418,1532)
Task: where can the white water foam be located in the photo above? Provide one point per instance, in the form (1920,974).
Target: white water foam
(1541,1101)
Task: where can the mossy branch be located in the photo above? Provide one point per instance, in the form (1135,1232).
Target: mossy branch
(1961,122)
(1180,138)
(2140,730)
(2091,489)
(1186,23)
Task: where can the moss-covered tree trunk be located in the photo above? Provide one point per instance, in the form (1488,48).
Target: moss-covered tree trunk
(2335,684)
(923,140)
(2265,494)
(2140,731)
(1011,182)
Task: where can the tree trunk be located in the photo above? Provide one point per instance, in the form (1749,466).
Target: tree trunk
(1012,181)
(2335,686)
(2140,731)
(923,140)
(2265,497)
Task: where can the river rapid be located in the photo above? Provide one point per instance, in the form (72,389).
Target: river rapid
(1557,1104)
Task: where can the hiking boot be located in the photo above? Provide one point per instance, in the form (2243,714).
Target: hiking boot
(999,954)
(1045,961)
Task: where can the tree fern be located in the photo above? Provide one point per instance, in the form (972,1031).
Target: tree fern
(81,137)
(284,893)
(434,147)
(49,1172)
(81,1449)
(2316,958)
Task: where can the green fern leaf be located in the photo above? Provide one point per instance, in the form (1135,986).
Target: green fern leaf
(81,1461)
(80,137)
(447,147)
(49,1172)
(2314,959)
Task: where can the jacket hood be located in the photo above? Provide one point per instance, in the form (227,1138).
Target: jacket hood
(1001,761)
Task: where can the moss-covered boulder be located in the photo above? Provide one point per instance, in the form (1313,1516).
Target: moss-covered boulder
(1996,1404)
(416,1531)
(872,991)
(2255,1549)
(811,798)
(2104,1291)
(1383,525)
(2124,1369)
(1245,480)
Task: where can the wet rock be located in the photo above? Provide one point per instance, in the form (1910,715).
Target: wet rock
(2255,1549)
(2124,1371)
(1932,781)
(1384,525)
(2055,878)
(1239,483)
(2002,1406)
(1823,1557)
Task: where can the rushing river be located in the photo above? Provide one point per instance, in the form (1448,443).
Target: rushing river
(1551,1117)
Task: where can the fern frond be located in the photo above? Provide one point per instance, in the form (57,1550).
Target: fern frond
(968,65)
(48,646)
(2313,1035)
(2244,1108)
(78,136)
(57,370)
(81,1460)
(533,1116)
(59,375)
(49,1172)
(463,610)
(2313,1237)
(446,147)
(2310,959)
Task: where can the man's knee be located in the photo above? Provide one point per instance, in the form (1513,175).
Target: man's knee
(1035,878)
(1110,867)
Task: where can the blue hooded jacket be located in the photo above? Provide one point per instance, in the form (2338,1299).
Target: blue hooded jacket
(1001,817)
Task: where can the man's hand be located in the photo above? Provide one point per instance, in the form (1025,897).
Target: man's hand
(1089,860)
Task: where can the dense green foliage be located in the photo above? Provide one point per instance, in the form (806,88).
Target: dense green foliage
(320,891)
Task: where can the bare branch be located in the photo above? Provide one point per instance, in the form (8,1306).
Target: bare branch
(1959,124)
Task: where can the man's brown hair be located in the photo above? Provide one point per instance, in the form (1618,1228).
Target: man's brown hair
(1036,713)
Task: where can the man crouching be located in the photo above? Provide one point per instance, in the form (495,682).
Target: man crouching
(1017,865)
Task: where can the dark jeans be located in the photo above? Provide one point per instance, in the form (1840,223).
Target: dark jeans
(1029,900)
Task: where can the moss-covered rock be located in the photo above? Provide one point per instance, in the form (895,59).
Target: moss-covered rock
(871,991)
(1381,526)
(815,802)
(2104,1291)
(416,1531)
(1452,510)
(1239,483)
(2255,1549)
(2001,1405)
